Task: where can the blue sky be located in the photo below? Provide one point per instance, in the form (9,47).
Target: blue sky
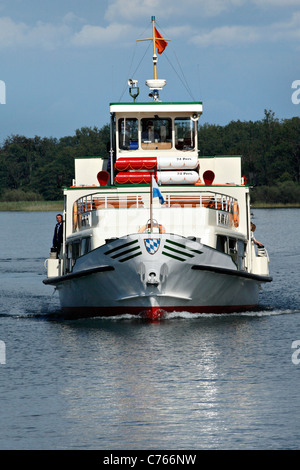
(63,62)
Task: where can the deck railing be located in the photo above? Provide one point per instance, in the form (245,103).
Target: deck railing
(208,199)
(93,202)
(96,201)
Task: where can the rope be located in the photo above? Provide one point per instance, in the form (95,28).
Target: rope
(183,80)
(133,73)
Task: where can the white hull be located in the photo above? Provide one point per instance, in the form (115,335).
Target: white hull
(182,275)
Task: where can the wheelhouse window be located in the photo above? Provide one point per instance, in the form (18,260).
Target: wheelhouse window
(184,133)
(128,133)
(156,133)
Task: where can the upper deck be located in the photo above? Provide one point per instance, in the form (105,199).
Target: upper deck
(144,129)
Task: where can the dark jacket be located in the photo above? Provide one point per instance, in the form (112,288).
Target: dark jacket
(58,236)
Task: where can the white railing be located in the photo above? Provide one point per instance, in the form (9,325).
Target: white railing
(208,199)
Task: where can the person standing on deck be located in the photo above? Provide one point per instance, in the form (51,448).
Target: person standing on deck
(58,233)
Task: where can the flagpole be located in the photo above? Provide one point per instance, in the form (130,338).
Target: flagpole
(155,38)
(154,49)
(151,203)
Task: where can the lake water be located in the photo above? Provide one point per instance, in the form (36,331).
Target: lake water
(204,382)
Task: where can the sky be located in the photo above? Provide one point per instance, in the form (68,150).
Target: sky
(63,61)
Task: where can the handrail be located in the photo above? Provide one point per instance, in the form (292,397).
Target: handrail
(92,202)
(203,199)
(209,200)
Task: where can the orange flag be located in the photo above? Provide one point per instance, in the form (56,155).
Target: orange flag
(161,44)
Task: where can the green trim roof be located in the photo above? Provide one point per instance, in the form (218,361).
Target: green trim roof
(92,156)
(156,103)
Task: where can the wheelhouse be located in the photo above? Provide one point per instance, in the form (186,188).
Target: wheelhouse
(142,130)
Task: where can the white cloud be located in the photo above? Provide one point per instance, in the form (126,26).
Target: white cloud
(47,35)
(97,35)
(226,36)
(133,9)
(50,36)
(286,30)
(70,17)
(10,32)
(276,3)
(122,25)
(42,34)
(234,35)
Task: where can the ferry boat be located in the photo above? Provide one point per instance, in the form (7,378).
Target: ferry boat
(155,227)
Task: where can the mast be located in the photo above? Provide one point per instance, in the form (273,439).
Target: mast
(154,40)
(155,78)
(155,85)
(154,49)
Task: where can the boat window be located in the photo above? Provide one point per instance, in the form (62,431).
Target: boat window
(242,253)
(128,134)
(69,263)
(156,133)
(232,249)
(85,245)
(69,251)
(73,252)
(222,243)
(76,249)
(184,134)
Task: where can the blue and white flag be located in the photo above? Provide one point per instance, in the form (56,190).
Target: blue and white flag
(156,192)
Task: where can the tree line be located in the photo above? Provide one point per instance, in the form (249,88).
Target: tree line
(270,150)
(36,168)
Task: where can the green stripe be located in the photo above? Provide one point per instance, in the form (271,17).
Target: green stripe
(120,247)
(129,257)
(173,256)
(185,247)
(180,252)
(175,243)
(195,251)
(125,252)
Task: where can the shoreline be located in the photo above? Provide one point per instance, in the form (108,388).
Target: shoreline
(275,205)
(58,206)
(31,206)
